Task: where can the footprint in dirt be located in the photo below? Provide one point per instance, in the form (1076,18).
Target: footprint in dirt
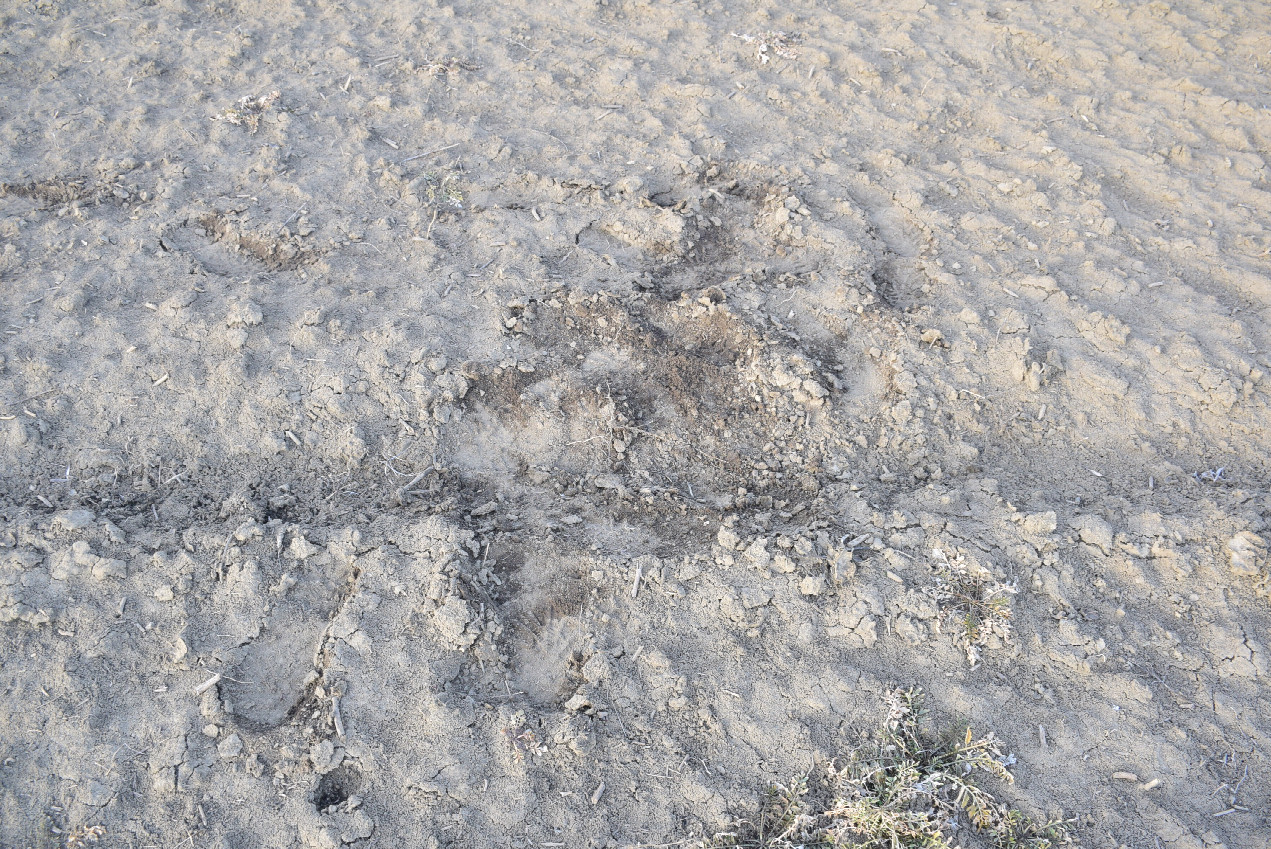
(270,678)
(544,631)
(541,661)
(272,672)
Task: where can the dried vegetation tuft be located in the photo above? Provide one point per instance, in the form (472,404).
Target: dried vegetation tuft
(911,789)
(975,605)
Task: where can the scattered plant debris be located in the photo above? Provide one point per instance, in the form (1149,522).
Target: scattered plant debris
(772,43)
(447,66)
(83,836)
(248,110)
(1211,475)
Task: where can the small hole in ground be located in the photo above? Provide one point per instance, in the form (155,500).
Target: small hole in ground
(335,787)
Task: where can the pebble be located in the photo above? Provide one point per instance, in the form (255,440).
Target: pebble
(74,520)
(230,747)
(244,314)
(1094,531)
(728,539)
(1248,552)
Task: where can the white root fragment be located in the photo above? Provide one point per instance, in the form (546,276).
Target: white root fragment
(336,717)
(208,684)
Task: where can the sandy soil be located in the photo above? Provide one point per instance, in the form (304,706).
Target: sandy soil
(545,424)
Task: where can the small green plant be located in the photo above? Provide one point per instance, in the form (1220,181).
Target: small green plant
(442,189)
(521,738)
(977,605)
(910,791)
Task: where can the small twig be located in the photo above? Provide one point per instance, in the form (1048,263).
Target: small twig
(34,397)
(403,491)
(208,684)
(336,717)
(294,216)
(430,153)
(1236,791)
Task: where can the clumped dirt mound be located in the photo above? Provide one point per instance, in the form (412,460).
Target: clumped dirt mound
(553,426)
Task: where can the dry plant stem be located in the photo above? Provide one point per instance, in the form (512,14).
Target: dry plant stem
(429,153)
(208,684)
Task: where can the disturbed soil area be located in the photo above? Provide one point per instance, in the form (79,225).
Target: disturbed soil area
(551,424)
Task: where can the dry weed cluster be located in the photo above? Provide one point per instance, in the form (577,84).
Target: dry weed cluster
(909,790)
(972,601)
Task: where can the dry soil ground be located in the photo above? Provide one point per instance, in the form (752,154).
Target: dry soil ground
(547,424)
